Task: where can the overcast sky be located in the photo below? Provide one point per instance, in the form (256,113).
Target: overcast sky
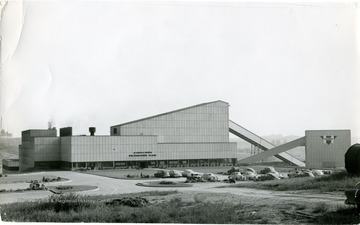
(283,68)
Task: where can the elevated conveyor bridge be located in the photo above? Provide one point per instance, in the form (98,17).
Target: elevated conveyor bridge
(261,143)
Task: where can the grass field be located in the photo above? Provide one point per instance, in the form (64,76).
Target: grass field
(338,181)
(27,178)
(170,207)
(61,189)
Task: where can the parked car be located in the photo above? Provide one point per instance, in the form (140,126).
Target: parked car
(251,175)
(318,172)
(237,176)
(270,170)
(249,169)
(233,169)
(353,195)
(305,173)
(195,174)
(175,173)
(209,177)
(186,172)
(194,177)
(162,174)
(327,172)
(268,176)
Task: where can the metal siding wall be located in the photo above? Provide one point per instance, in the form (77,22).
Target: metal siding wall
(198,132)
(317,152)
(66,145)
(197,151)
(206,123)
(110,148)
(121,148)
(10,163)
(47,149)
(26,152)
(43,133)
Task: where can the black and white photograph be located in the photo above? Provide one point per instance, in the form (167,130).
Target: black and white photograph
(180,111)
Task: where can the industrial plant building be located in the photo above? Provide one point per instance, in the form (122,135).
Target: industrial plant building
(193,136)
(188,137)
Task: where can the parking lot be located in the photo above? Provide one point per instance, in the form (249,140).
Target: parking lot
(109,186)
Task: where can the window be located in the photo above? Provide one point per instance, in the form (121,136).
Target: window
(115,130)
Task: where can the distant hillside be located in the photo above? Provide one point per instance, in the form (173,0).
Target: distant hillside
(9,148)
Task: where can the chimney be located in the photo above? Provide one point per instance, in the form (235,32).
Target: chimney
(92,131)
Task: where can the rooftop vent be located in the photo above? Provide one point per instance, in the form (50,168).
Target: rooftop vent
(92,131)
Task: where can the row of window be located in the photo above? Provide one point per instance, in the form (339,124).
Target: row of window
(155,163)
(153,156)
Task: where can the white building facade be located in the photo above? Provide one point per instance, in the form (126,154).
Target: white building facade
(326,148)
(193,136)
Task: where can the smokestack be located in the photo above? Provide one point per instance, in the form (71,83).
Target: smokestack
(92,131)
(49,125)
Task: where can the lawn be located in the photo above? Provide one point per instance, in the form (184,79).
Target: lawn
(61,189)
(172,207)
(338,181)
(26,178)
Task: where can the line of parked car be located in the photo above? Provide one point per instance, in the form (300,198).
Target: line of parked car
(191,176)
(240,174)
(269,173)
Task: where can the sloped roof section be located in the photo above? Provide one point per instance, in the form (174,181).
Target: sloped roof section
(178,110)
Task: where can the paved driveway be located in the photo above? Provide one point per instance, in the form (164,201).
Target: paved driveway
(119,186)
(105,185)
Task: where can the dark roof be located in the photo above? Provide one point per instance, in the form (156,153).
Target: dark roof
(178,110)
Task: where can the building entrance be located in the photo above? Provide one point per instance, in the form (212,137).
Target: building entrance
(143,164)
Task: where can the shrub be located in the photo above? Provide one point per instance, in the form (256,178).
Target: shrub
(64,187)
(166,182)
(128,201)
(159,193)
(67,202)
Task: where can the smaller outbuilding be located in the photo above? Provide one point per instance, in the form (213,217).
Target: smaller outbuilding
(10,164)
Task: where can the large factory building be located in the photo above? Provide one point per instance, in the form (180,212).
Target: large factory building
(193,136)
(188,137)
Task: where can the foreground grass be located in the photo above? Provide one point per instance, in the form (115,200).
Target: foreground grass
(342,215)
(338,181)
(74,208)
